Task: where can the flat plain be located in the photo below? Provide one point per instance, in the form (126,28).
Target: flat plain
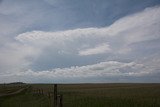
(82,95)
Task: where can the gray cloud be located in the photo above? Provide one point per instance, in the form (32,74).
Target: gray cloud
(100,70)
(129,48)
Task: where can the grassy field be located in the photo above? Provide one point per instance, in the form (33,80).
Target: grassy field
(87,95)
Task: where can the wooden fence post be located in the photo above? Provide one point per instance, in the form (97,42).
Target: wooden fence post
(55,95)
(38,91)
(42,91)
(60,101)
(49,95)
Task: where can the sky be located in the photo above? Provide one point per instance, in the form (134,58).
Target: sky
(80,41)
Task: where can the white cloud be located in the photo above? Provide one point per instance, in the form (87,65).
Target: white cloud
(128,30)
(102,48)
(129,24)
(102,69)
(75,47)
(16,57)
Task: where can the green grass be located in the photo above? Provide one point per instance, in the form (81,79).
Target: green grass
(25,99)
(8,89)
(89,95)
(112,95)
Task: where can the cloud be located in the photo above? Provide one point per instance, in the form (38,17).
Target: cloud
(99,70)
(146,25)
(110,68)
(102,48)
(16,57)
(114,51)
(129,24)
(121,35)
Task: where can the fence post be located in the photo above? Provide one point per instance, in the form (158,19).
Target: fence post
(38,91)
(49,95)
(42,91)
(60,100)
(55,95)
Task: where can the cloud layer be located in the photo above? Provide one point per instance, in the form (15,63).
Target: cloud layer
(129,48)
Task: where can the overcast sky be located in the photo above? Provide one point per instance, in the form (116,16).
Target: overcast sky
(79,41)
